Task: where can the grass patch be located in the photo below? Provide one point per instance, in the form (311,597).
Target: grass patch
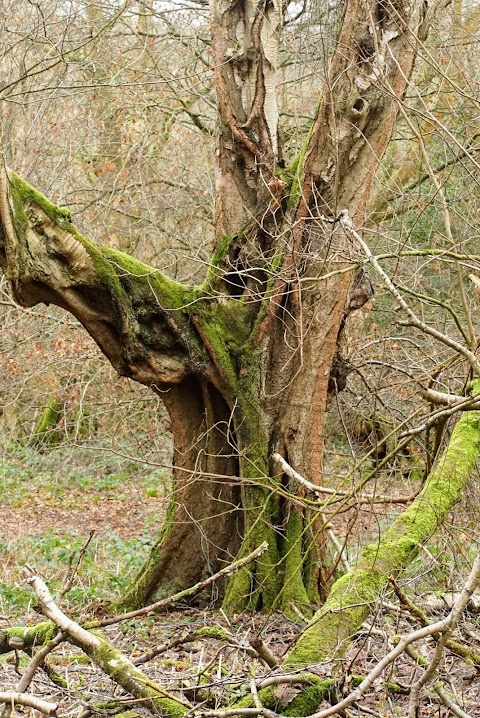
(108,564)
(51,500)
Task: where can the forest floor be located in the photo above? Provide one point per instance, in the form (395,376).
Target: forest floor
(51,502)
(215,674)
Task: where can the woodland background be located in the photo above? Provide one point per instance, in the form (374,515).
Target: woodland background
(109,108)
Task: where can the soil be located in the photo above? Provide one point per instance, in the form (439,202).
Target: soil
(126,516)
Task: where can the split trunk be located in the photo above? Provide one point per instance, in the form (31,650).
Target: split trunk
(246,361)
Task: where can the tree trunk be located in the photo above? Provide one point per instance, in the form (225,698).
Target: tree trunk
(203,523)
(246,361)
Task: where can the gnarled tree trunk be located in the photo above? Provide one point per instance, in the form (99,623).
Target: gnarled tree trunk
(246,361)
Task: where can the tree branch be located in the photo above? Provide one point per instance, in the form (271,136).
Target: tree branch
(25,699)
(188,592)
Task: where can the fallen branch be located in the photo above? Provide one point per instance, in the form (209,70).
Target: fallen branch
(230,712)
(447,701)
(264,652)
(25,699)
(49,609)
(441,626)
(111,661)
(36,662)
(188,592)
(353,595)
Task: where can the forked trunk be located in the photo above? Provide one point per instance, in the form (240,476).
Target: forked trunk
(246,361)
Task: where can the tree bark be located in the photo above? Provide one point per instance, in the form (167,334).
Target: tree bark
(202,528)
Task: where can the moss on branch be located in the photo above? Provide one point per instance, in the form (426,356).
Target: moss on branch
(111,661)
(353,595)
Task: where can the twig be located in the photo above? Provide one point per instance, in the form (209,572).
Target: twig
(466,404)
(254,692)
(188,592)
(152,653)
(26,699)
(447,701)
(72,568)
(472,340)
(229,713)
(264,652)
(192,636)
(339,547)
(32,667)
(461,650)
(439,627)
(346,223)
(427,675)
(303,678)
(295,476)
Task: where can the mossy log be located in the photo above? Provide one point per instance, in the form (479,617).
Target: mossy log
(108,658)
(353,595)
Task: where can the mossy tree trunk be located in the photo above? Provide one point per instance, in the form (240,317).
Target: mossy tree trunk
(244,360)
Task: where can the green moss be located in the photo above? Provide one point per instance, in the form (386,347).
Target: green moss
(293,589)
(35,635)
(309,699)
(347,605)
(44,433)
(295,172)
(258,584)
(239,590)
(216,260)
(220,335)
(119,668)
(216,632)
(232,317)
(314,690)
(24,194)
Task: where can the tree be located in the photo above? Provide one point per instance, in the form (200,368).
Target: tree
(246,360)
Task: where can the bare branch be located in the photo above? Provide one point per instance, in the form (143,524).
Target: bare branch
(189,592)
(51,611)
(346,223)
(441,626)
(461,402)
(447,701)
(25,699)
